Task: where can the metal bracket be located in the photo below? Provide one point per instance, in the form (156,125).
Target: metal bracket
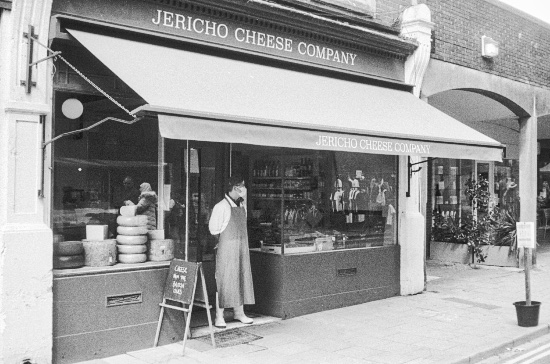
(136,119)
(410,171)
(32,37)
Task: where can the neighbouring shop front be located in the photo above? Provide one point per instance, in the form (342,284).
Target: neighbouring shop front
(318,125)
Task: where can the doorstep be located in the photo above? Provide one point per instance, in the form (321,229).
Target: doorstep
(199,322)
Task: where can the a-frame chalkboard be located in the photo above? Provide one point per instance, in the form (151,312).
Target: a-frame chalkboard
(181,286)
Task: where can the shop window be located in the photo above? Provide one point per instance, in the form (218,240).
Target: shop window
(305,201)
(298,201)
(450,203)
(90,168)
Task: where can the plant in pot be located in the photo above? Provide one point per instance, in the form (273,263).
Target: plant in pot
(527,311)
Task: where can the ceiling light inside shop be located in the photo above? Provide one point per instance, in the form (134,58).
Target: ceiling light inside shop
(72,108)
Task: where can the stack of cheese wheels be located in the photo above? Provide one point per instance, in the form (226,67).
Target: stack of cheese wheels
(158,248)
(67,254)
(132,236)
(99,253)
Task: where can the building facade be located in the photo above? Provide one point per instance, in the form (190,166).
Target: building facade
(315,105)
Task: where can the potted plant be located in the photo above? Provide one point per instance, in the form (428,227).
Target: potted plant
(527,311)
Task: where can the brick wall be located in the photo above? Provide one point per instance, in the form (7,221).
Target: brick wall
(524,51)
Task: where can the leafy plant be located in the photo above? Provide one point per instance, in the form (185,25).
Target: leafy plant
(444,228)
(477,227)
(504,222)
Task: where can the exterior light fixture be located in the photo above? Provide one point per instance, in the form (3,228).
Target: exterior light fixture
(72,108)
(489,47)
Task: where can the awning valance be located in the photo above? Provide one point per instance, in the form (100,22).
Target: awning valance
(204,97)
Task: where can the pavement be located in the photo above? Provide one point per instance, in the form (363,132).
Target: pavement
(464,316)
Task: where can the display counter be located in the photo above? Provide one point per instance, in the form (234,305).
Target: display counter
(292,285)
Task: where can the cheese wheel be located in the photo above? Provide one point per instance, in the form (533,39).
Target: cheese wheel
(132,258)
(131,249)
(67,248)
(138,220)
(131,239)
(155,234)
(99,253)
(132,230)
(128,210)
(160,250)
(68,261)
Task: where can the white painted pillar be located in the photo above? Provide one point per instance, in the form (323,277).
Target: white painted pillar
(25,240)
(528,168)
(416,23)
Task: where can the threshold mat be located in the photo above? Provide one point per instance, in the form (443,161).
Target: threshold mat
(230,337)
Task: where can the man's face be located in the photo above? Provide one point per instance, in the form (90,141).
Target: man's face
(127,184)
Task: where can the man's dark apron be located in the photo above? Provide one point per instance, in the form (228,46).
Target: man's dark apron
(233,273)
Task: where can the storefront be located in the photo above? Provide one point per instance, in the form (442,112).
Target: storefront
(318,121)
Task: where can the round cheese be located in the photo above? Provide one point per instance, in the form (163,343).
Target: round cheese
(67,248)
(132,258)
(138,220)
(70,261)
(131,239)
(132,230)
(99,253)
(131,249)
(160,250)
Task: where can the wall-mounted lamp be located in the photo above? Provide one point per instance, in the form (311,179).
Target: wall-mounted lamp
(489,47)
(72,108)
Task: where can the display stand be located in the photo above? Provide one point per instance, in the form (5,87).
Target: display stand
(181,286)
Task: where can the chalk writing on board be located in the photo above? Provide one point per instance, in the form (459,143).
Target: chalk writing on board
(181,281)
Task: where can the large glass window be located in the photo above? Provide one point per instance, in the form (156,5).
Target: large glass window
(95,171)
(451,204)
(305,200)
(299,200)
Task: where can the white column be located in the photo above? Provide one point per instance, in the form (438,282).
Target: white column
(416,23)
(528,168)
(25,240)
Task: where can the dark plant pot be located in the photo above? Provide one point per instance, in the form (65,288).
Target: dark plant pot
(528,316)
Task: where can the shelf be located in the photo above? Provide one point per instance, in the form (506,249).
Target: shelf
(289,178)
(279,188)
(280,198)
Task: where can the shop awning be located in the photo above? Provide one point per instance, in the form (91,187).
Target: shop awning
(204,97)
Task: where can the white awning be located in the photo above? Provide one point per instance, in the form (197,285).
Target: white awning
(204,97)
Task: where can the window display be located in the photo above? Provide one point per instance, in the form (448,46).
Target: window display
(450,203)
(97,172)
(306,201)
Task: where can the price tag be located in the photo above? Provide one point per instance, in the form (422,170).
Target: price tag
(526,234)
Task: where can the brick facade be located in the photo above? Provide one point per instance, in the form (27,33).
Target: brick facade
(524,44)
(459,26)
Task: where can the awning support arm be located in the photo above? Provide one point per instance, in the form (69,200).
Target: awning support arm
(410,171)
(136,119)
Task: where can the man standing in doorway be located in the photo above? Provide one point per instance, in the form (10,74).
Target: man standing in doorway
(233,273)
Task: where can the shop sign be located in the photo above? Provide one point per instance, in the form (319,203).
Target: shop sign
(372,145)
(234,31)
(181,281)
(251,38)
(526,234)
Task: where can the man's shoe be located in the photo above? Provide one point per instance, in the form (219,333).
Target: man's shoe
(238,314)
